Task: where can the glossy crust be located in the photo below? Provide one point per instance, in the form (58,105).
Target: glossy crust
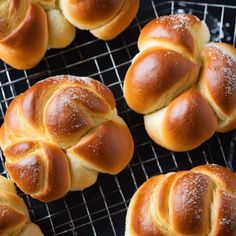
(104,18)
(174,58)
(35,167)
(119,23)
(168,62)
(14,217)
(184,124)
(96,148)
(156,76)
(68,129)
(201,201)
(183,33)
(218,83)
(24,47)
(90,14)
(28,29)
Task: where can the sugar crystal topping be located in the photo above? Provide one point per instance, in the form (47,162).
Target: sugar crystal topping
(75,94)
(228,219)
(177,22)
(4,211)
(68,78)
(31,169)
(228,70)
(96,145)
(218,171)
(193,187)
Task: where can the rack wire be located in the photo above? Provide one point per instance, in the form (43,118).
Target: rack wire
(101,209)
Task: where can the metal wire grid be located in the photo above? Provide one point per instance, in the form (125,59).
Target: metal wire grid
(101,209)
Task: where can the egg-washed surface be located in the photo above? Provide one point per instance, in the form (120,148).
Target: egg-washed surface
(30,27)
(101,209)
(201,201)
(60,133)
(174,72)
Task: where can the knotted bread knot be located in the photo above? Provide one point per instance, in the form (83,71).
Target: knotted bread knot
(201,201)
(60,133)
(185,88)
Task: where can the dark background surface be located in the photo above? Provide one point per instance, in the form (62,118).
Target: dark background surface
(101,209)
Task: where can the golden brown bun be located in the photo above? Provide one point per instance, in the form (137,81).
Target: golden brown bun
(198,202)
(96,148)
(156,76)
(184,124)
(104,18)
(218,83)
(90,14)
(183,33)
(14,217)
(28,28)
(24,44)
(169,64)
(119,23)
(64,127)
(26,31)
(35,167)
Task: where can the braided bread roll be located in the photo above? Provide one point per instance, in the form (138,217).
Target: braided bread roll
(27,30)
(201,201)
(60,133)
(104,18)
(14,216)
(181,108)
(168,62)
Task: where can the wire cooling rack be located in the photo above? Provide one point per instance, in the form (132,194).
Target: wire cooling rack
(101,209)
